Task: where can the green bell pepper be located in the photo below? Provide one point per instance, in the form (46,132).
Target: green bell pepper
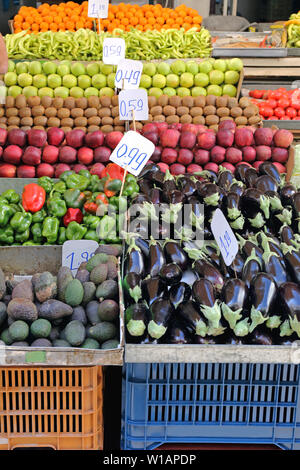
(22,237)
(36,232)
(131,189)
(85,173)
(107,228)
(59,187)
(62,237)
(11,195)
(74,198)
(46,182)
(65,175)
(56,207)
(91,235)
(7,235)
(119,203)
(39,216)
(50,229)
(77,181)
(96,184)
(30,243)
(130,178)
(21,221)
(91,221)
(75,231)
(5,214)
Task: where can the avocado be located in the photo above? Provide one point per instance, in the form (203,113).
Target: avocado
(23,290)
(5,337)
(95,260)
(22,344)
(99,274)
(82,275)
(107,290)
(108,310)
(54,333)
(41,343)
(44,286)
(54,310)
(2,284)
(112,270)
(3,313)
(75,333)
(40,328)
(22,309)
(61,343)
(110,344)
(91,310)
(102,331)
(18,330)
(79,314)
(90,343)
(114,249)
(89,290)
(64,276)
(74,293)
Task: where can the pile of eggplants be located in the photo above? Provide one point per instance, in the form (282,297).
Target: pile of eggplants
(179,291)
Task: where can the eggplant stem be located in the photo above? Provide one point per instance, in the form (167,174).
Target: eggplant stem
(233,213)
(257,318)
(212,314)
(275,203)
(238,223)
(168,176)
(295,325)
(201,328)
(156,331)
(285,329)
(285,217)
(253,257)
(136,327)
(242,328)
(265,206)
(216,331)
(195,254)
(231,316)
(273,322)
(212,200)
(258,221)
(135,293)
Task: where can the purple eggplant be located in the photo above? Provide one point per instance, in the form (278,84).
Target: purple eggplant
(156,257)
(237,187)
(178,334)
(145,186)
(232,206)
(170,273)
(210,194)
(287,235)
(175,254)
(234,296)
(225,179)
(290,301)
(204,295)
(161,312)
(190,314)
(189,188)
(153,288)
(235,269)
(155,195)
(132,286)
(179,293)
(134,260)
(251,177)
(287,192)
(266,183)
(207,340)
(273,263)
(263,294)
(292,261)
(143,245)
(255,207)
(140,199)
(240,171)
(248,246)
(252,266)
(261,337)
(148,171)
(169,183)
(268,168)
(234,340)
(206,270)
(137,317)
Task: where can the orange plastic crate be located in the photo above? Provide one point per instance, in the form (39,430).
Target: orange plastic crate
(56,407)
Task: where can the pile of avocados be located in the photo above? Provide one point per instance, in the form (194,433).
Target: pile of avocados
(63,310)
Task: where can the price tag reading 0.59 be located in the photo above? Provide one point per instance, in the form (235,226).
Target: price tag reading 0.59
(113,50)
(128,74)
(133,104)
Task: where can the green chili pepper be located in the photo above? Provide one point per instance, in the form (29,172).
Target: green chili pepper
(66,174)
(50,229)
(39,216)
(74,198)
(11,195)
(77,181)
(56,207)
(46,182)
(75,231)
(21,221)
(22,237)
(7,235)
(36,232)
(62,237)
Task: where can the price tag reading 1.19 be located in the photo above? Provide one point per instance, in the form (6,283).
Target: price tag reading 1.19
(224,237)
(98,8)
(132,152)
(75,252)
(113,50)
(128,74)
(133,104)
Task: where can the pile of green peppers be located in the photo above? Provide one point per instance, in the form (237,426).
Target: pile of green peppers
(77,207)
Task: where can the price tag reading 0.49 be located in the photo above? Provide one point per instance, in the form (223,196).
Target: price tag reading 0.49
(128,74)
(133,104)
(132,152)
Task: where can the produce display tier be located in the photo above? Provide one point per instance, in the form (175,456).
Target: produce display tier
(249,52)
(59,408)
(210,403)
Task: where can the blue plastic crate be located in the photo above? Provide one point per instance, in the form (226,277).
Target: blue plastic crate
(210,403)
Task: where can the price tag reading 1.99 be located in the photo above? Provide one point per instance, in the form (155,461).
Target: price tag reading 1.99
(224,237)
(113,50)
(133,100)
(132,152)
(75,252)
(128,74)
(97,8)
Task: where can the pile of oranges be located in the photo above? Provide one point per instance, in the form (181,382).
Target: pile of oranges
(72,16)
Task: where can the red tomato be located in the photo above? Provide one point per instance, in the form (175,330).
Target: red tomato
(285,118)
(296,118)
(299,112)
(291,112)
(282,90)
(283,103)
(256,94)
(279,112)
(266,111)
(272,103)
(295,99)
(277,95)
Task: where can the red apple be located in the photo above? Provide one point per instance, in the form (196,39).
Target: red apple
(7,170)
(12,154)
(85,155)
(67,154)
(94,139)
(60,168)
(97,169)
(26,171)
(17,137)
(3,136)
(50,153)
(55,136)
(37,137)
(170,138)
(32,155)
(113,138)
(44,169)
(79,166)
(75,138)
(102,154)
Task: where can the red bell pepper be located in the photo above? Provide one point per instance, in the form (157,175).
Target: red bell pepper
(113,171)
(90,207)
(33,197)
(73,215)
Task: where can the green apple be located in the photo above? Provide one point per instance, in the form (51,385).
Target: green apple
(172,80)
(154,91)
(61,91)
(39,80)
(187,80)
(111,80)
(84,81)
(11,66)
(198,90)
(231,77)
(63,69)
(3,94)
(54,80)
(77,69)
(35,67)
(21,67)
(76,92)
(99,81)
(149,68)
(49,68)
(106,92)
(146,81)
(10,78)
(201,79)
(91,91)
(192,67)
(205,67)
(92,69)
(14,91)
(214,90)
(24,79)
(169,91)
(163,68)
(69,81)
(178,67)
(106,69)
(216,77)
(45,91)
(229,90)
(235,64)
(159,81)
(220,64)
(30,91)
(182,91)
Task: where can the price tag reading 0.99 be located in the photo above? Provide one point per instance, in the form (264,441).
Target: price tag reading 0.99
(132,152)
(128,74)
(133,104)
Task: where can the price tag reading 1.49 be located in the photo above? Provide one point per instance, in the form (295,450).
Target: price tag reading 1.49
(128,74)
(98,8)
(224,237)
(75,252)
(133,104)
(113,50)
(132,152)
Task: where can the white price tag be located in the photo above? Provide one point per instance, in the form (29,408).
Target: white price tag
(133,100)
(113,50)
(224,237)
(98,8)
(75,252)
(132,152)
(128,74)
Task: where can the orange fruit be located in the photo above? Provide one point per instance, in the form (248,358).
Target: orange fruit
(61,27)
(125,21)
(79,24)
(53,27)
(69,25)
(28,19)
(88,24)
(188,19)
(142,21)
(18,18)
(134,21)
(151,20)
(148,14)
(197,19)
(35,27)
(160,20)
(25,25)
(186,26)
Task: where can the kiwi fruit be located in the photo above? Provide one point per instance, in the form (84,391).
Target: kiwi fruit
(93,102)
(169,110)
(236,111)
(25,112)
(58,102)
(67,122)
(81,103)
(80,121)
(186,119)
(3,126)
(76,112)
(12,112)
(172,119)
(94,121)
(152,101)
(188,101)
(90,112)
(210,100)
(223,111)
(120,128)
(2,112)
(115,111)
(221,101)
(200,101)
(196,111)
(181,110)
(20,102)
(211,120)
(13,121)
(175,101)
(150,119)
(46,101)
(115,100)
(106,129)
(93,128)
(83,128)
(241,121)
(63,113)
(104,112)
(40,121)
(69,102)
(118,122)
(107,120)
(215,127)
(50,112)
(244,102)
(38,110)
(35,101)
(163,100)
(10,102)
(159,118)
(53,122)
(66,129)
(226,118)
(209,110)
(26,121)
(254,120)
(199,120)
(232,102)
(156,110)
(3,120)
(9,128)
(105,101)
(249,111)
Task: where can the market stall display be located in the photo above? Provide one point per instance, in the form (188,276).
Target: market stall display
(276,104)
(293,30)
